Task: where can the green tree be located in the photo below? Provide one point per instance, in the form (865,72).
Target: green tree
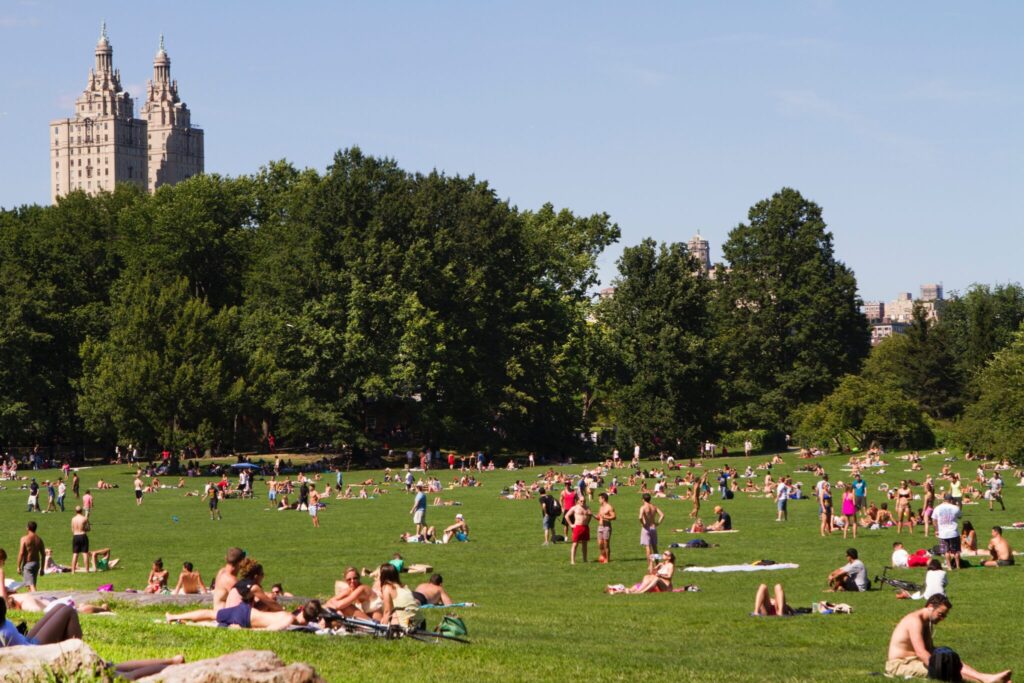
(861,411)
(658,323)
(787,312)
(921,362)
(994,423)
(161,375)
(981,322)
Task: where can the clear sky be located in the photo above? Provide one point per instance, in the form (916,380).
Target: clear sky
(901,119)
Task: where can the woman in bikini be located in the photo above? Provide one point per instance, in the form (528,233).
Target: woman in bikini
(157,578)
(903,508)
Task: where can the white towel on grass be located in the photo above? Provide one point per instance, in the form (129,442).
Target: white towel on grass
(723,568)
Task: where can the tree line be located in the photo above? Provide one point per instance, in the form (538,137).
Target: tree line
(368,305)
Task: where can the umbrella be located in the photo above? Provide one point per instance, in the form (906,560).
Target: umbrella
(245,466)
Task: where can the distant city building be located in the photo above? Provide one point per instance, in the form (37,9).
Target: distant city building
(874,311)
(900,309)
(885,330)
(701,250)
(175,145)
(606,292)
(931,292)
(104,144)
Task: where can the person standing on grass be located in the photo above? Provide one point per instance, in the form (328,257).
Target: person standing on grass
(87,502)
(62,490)
(547,514)
(928,504)
(31,550)
(995,491)
(650,517)
(75,483)
(568,502)
(314,506)
(825,505)
(782,500)
(849,511)
(946,517)
(605,517)
(860,493)
(33,496)
(51,497)
(79,539)
(579,517)
(138,489)
(419,511)
(213,494)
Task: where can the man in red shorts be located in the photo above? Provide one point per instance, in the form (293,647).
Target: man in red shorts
(579,518)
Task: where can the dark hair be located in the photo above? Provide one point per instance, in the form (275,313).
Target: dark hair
(937,600)
(436,579)
(603,495)
(234,556)
(158,562)
(542,491)
(851,553)
(997,529)
(934,564)
(3,611)
(311,610)
(646,497)
(31,526)
(187,566)
(968,526)
(389,574)
(896,543)
(278,587)
(3,555)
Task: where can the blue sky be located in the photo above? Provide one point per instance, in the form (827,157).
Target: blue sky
(902,120)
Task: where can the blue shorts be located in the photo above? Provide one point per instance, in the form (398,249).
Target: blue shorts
(548,522)
(781,505)
(239,615)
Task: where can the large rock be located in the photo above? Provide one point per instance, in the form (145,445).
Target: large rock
(59,662)
(247,666)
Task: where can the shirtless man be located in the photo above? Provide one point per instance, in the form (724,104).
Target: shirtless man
(432,592)
(190,582)
(30,557)
(999,548)
(579,518)
(910,647)
(695,495)
(138,489)
(605,517)
(226,577)
(79,539)
(650,517)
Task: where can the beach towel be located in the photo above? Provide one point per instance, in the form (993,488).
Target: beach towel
(725,568)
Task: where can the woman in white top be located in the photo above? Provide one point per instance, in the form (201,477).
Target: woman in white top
(660,578)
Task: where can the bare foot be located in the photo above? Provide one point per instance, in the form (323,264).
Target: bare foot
(171,619)
(178,659)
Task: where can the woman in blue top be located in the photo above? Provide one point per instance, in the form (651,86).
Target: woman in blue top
(57,625)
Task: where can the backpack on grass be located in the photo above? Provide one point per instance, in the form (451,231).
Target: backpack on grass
(452,625)
(945,665)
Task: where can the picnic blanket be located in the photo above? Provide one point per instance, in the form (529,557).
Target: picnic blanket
(725,568)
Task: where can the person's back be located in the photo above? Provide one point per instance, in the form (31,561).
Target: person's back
(934,583)
(946,516)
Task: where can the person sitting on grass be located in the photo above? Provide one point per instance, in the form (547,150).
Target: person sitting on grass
(190,582)
(768,606)
(999,549)
(251,607)
(353,598)
(250,577)
(432,592)
(277,592)
(911,646)
(657,580)
(934,583)
(724,521)
(157,578)
(401,608)
(51,567)
(458,531)
(852,576)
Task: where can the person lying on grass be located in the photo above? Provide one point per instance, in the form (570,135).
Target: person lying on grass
(60,624)
(767,606)
(432,592)
(911,646)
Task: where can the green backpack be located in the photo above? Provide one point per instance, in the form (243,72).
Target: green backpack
(452,626)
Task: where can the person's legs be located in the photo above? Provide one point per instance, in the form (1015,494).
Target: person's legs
(780,600)
(585,544)
(572,553)
(761,600)
(971,674)
(140,668)
(194,615)
(56,626)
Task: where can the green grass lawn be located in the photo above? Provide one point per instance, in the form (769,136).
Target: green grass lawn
(539,618)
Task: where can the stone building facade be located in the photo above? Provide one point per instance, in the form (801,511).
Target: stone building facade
(104,144)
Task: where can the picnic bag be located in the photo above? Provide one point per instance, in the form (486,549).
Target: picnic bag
(944,665)
(452,625)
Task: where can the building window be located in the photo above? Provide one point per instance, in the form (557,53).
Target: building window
(79,174)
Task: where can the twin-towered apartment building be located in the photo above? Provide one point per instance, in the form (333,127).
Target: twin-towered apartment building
(104,144)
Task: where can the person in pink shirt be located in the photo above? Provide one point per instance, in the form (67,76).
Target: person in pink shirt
(87,502)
